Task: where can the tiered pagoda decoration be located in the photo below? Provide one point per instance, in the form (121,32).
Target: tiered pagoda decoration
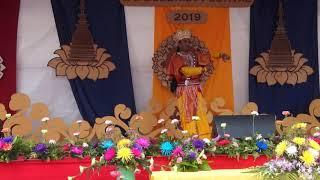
(280,52)
(82,58)
(281,64)
(2,67)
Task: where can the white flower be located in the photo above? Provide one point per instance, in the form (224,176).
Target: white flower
(93,161)
(70,178)
(52,141)
(314,153)
(248,138)
(164,131)
(259,136)
(317,128)
(108,122)
(174,121)
(223,125)
(316,134)
(139,117)
(160,121)
(142,156)
(195,136)
(199,161)
(184,132)
(175,169)
(292,150)
(43,131)
(227,135)
(254,113)
(45,119)
(8,116)
(137,171)
(79,121)
(214,148)
(206,140)
(76,133)
(235,144)
(195,118)
(101,158)
(85,145)
(204,156)
(151,164)
(82,168)
(152,161)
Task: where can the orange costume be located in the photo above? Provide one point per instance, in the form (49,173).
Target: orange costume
(186,68)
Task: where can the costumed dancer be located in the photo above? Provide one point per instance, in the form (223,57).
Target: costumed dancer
(185,67)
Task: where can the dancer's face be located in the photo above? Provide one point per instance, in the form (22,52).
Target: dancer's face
(184,45)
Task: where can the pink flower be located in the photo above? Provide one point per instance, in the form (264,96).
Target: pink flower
(77,150)
(143,142)
(115,173)
(286,113)
(223,142)
(1,144)
(136,152)
(179,160)
(109,154)
(227,135)
(109,129)
(7,147)
(178,151)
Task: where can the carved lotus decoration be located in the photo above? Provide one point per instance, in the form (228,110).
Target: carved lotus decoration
(2,67)
(97,69)
(296,74)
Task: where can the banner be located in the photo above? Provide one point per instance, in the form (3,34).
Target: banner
(283,55)
(214,32)
(107,26)
(9,14)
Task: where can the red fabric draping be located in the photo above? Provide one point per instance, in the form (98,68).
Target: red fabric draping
(56,170)
(9,12)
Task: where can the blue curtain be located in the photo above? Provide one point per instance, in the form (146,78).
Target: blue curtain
(108,28)
(301,25)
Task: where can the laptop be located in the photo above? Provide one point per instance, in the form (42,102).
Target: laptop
(239,126)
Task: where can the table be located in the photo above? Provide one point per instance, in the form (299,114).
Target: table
(61,169)
(226,174)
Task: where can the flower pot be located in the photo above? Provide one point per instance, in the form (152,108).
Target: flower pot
(126,174)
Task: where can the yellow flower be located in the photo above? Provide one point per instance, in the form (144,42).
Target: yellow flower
(314,144)
(299,126)
(281,147)
(124,154)
(307,158)
(298,140)
(123,143)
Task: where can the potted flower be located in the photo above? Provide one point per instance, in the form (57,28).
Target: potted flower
(127,155)
(297,156)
